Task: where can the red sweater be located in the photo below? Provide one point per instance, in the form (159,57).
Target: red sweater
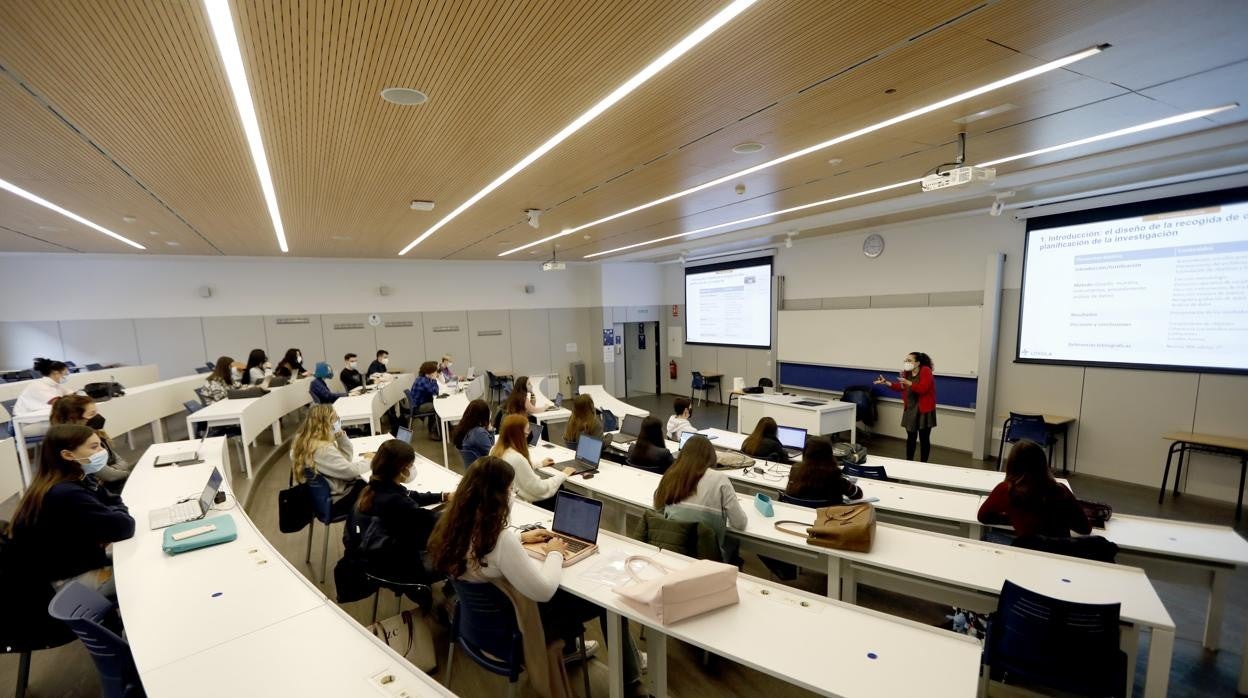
(924,386)
(1061,515)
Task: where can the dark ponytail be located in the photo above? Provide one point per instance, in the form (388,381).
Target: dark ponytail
(392,458)
(46,367)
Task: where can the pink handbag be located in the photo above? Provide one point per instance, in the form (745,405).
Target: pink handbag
(682,593)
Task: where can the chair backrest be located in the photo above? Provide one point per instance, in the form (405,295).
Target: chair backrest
(1026,426)
(203,397)
(809,503)
(698,381)
(688,536)
(192,407)
(871,472)
(1062,644)
(24,599)
(203,369)
(322,498)
(83,610)
(485,623)
(648,468)
(93,367)
(766,383)
(28,374)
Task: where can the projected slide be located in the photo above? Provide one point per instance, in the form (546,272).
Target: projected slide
(729,304)
(1167,289)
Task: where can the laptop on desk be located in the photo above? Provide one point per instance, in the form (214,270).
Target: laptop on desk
(792,439)
(183,457)
(630,429)
(576,524)
(588,454)
(188,510)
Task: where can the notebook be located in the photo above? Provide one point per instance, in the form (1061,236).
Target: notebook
(576,523)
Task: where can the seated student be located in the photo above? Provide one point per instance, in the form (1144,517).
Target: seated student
(258,368)
(225,377)
(41,393)
(472,434)
(471,542)
(1031,500)
(80,409)
(681,419)
(65,521)
(763,442)
(378,366)
(350,375)
(818,477)
(321,447)
(424,390)
(521,400)
(322,394)
(404,521)
(291,365)
(513,448)
(691,491)
(444,368)
(649,450)
(584,420)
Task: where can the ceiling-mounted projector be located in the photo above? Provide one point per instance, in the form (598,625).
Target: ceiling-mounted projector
(959,177)
(554,266)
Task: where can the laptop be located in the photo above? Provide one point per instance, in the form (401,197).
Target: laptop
(576,523)
(685,436)
(630,429)
(588,453)
(403,434)
(535,436)
(183,457)
(793,439)
(188,510)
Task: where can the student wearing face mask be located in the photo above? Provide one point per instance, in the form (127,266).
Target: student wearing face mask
(681,419)
(258,368)
(350,375)
(321,393)
(444,368)
(321,448)
(918,389)
(226,376)
(41,393)
(379,365)
(291,365)
(65,521)
(80,409)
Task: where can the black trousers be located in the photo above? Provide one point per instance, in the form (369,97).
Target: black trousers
(924,437)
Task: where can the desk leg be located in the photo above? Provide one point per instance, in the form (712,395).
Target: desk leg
(1239,503)
(1218,583)
(247,462)
(1129,643)
(1160,651)
(1178,470)
(835,565)
(277,439)
(615,656)
(158,431)
(975,531)
(656,655)
(130,439)
(849,584)
(1165,474)
(446,457)
(23,458)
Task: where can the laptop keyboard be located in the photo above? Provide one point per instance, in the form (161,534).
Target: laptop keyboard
(182,511)
(574,546)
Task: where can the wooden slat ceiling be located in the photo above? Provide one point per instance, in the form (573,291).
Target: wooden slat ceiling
(122,109)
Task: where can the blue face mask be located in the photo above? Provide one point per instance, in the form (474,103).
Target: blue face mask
(337,426)
(96,462)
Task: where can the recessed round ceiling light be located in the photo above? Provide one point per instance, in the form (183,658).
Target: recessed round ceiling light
(835,161)
(340,237)
(153,233)
(173,243)
(129,219)
(532,251)
(747,147)
(585,237)
(404,95)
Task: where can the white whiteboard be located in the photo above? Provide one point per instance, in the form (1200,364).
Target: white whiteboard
(879,338)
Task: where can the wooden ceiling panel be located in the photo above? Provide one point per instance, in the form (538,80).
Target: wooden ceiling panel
(14,241)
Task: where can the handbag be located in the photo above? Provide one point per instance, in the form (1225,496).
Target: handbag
(700,587)
(408,634)
(294,507)
(103,391)
(1097,512)
(850,527)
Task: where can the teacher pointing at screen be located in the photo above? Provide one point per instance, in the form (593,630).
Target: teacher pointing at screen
(918,394)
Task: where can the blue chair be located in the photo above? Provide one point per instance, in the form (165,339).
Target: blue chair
(84,610)
(202,370)
(1025,426)
(809,503)
(322,510)
(701,383)
(484,627)
(227,431)
(871,472)
(1072,647)
(94,367)
(24,599)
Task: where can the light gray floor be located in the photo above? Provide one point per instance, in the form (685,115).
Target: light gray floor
(68,671)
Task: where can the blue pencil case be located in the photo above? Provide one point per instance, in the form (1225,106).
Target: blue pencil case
(224,532)
(763,503)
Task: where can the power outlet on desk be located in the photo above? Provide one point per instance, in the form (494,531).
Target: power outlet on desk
(388,683)
(780,596)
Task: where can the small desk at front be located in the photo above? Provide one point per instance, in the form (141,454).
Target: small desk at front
(820,419)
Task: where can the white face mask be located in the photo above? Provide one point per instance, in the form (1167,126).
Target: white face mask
(354,365)
(63,380)
(385,360)
(236,374)
(908,366)
(299,358)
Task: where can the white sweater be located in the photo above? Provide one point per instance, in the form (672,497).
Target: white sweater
(38,396)
(536,580)
(528,485)
(676,424)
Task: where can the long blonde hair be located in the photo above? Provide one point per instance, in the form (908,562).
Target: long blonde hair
(511,435)
(316,431)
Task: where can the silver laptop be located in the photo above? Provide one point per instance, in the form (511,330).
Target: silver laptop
(183,457)
(403,434)
(187,510)
(630,429)
(792,439)
(588,454)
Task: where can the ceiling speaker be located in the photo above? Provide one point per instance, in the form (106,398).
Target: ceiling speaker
(528,288)
(383,291)
(205,292)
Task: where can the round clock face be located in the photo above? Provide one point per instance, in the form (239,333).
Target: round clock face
(374,320)
(873,246)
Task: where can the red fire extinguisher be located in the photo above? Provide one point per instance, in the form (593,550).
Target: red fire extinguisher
(671,369)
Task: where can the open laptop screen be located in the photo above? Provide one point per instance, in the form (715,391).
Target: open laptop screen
(210,491)
(404,434)
(631,425)
(685,436)
(577,516)
(792,437)
(588,449)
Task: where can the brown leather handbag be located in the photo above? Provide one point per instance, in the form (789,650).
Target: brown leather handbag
(850,527)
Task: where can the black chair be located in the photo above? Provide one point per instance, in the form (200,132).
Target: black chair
(1041,641)
(84,611)
(1026,426)
(203,369)
(27,627)
(93,367)
(27,375)
(808,503)
(648,468)
(863,397)
(871,472)
(497,384)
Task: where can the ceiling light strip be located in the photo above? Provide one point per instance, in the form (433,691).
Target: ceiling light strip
(222,21)
(682,47)
(13,188)
(962,97)
(1159,123)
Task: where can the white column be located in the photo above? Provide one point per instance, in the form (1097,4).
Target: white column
(989,329)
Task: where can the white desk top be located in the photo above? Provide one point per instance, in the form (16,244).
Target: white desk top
(223,409)
(356,407)
(792,400)
(450,408)
(559,414)
(1179,539)
(603,399)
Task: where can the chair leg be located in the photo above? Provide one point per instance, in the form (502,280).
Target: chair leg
(584,662)
(513,689)
(23,674)
(325,553)
(376,600)
(450,657)
(311,527)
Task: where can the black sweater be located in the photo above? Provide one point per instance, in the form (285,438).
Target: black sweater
(406,523)
(770,449)
(77,520)
(649,456)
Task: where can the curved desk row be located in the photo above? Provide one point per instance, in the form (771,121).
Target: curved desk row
(128,376)
(237,618)
(253,415)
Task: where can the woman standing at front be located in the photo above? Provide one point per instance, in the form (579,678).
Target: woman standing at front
(918,389)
